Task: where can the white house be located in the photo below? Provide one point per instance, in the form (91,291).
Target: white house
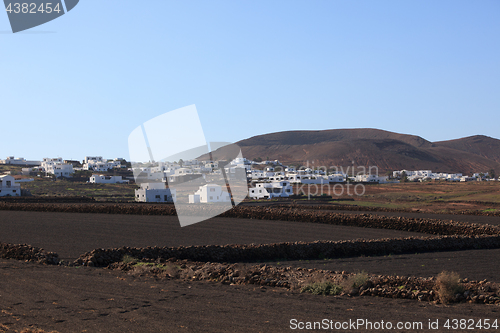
(9,187)
(154,192)
(183,175)
(259,174)
(101,179)
(336,178)
(190,162)
(209,193)
(271,190)
(57,167)
(18,161)
(370,178)
(301,177)
(97,163)
(467,179)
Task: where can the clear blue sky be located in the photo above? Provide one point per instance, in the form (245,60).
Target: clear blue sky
(80,84)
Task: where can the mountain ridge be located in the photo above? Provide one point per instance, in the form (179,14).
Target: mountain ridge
(373,147)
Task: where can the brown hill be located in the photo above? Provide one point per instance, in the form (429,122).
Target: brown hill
(478,144)
(373,147)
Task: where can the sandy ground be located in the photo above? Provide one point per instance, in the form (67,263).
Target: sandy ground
(84,299)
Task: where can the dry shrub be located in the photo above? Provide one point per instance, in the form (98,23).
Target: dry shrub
(355,281)
(172,270)
(141,268)
(322,288)
(128,259)
(448,285)
(36,330)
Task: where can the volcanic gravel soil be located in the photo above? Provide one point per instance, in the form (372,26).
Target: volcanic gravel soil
(79,298)
(473,264)
(72,234)
(84,299)
(493,220)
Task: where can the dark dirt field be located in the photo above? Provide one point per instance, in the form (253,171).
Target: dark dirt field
(71,235)
(493,220)
(473,264)
(84,299)
(69,299)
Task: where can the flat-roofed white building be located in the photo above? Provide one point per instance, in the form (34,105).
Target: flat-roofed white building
(18,161)
(57,167)
(97,163)
(154,192)
(210,193)
(102,179)
(370,179)
(9,187)
(271,190)
(336,178)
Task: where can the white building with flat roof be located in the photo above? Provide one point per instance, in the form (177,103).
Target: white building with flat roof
(9,187)
(210,193)
(102,179)
(97,163)
(57,167)
(154,192)
(271,190)
(18,161)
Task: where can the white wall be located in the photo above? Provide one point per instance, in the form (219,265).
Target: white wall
(9,187)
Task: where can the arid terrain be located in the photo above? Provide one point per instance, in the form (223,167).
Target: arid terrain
(75,219)
(470,198)
(372,147)
(69,298)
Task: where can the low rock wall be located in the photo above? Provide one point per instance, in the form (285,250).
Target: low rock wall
(28,253)
(292,251)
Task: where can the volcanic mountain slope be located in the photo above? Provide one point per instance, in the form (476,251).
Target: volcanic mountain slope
(478,144)
(373,147)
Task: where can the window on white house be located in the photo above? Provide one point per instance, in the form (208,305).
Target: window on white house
(211,198)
